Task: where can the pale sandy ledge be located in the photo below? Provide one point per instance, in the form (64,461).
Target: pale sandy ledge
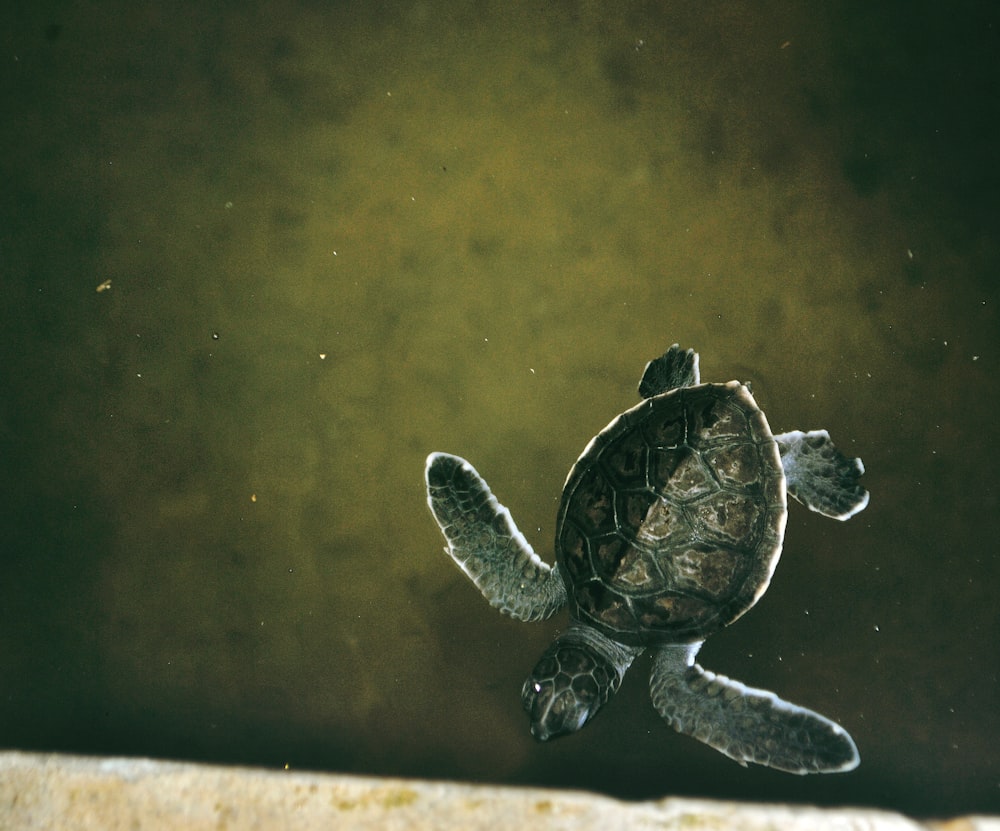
(41,791)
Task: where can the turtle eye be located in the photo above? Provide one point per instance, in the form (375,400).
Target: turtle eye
(535,696)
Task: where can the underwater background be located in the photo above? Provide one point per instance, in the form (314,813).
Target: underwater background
(258,259)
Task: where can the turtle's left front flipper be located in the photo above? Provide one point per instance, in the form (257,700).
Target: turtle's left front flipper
(820,476)
(745,724)
(484,541)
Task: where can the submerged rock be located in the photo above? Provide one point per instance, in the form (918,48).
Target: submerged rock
(39,791)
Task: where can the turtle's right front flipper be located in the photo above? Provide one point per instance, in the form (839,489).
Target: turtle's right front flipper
(746,724)
(487,546)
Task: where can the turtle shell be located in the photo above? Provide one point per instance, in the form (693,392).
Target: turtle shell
(671,521)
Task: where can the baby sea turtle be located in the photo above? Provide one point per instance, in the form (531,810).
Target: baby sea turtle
(670,526)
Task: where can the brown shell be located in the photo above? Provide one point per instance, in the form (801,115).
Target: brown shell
(671,521)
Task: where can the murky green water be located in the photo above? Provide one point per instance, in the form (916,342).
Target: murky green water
(337,241)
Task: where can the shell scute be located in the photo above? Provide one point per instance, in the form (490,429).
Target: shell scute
(610,607)
(625,461)
(574,550)
(594,509)
(731,519)
(664,426)
(706,570)
(681,474)
(737,465)
(715,416)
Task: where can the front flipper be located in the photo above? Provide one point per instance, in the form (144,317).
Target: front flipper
(745,724)
(820,476)
(487,546)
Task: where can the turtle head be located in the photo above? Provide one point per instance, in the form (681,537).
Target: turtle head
(577,674)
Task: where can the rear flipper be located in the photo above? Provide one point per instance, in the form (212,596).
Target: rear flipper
(820,476)
(745,724)
(674,368)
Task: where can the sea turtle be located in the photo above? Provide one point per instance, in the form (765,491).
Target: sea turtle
(670,525)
